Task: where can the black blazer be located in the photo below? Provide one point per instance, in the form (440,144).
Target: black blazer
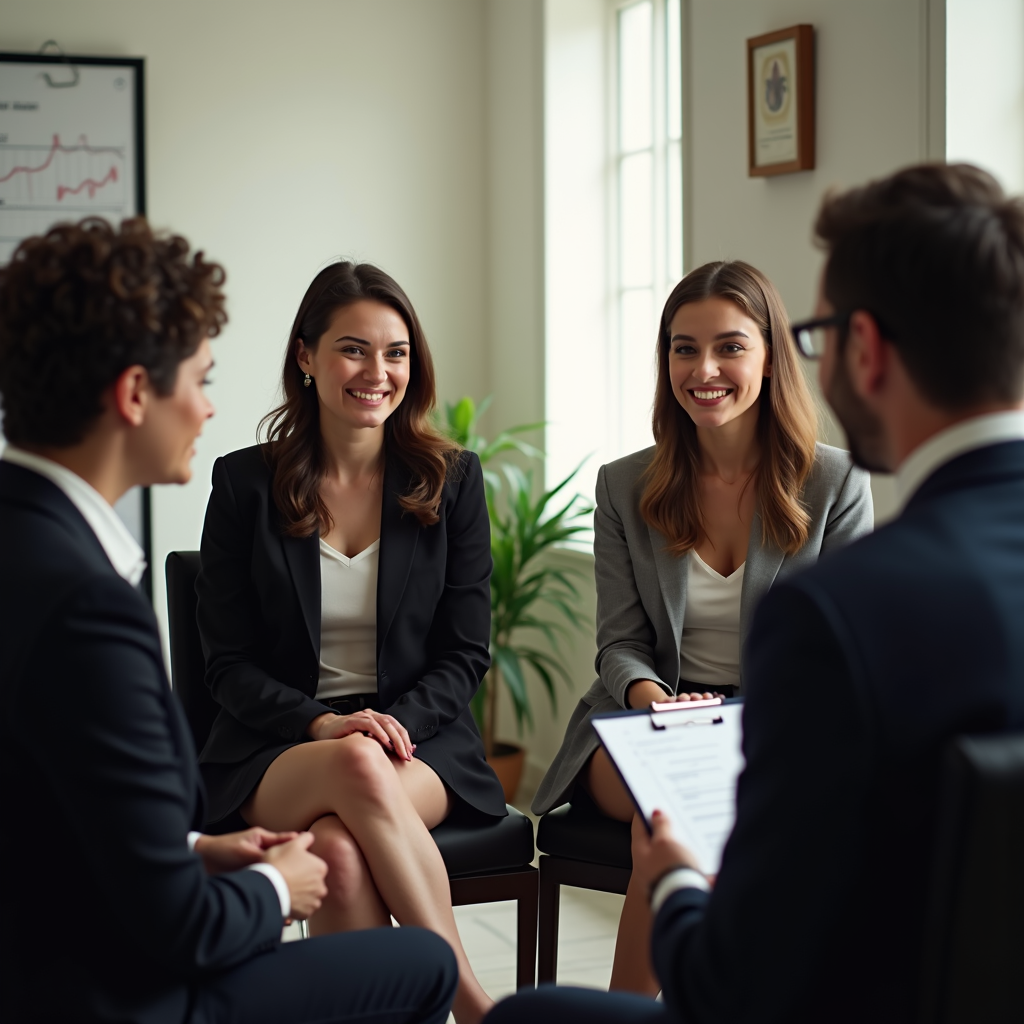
(259,616)
(106,915)
(860,670)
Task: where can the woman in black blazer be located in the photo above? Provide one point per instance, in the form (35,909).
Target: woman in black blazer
(352,478)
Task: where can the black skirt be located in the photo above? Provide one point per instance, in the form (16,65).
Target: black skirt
(228,786)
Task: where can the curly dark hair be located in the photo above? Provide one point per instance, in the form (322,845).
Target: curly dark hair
(81,304)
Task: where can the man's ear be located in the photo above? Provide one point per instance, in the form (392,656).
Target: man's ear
(131,394)
(866,354)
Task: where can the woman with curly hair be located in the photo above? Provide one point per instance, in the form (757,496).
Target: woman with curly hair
(344,606)
(691,533)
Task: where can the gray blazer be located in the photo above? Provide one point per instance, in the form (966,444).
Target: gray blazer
(641,590)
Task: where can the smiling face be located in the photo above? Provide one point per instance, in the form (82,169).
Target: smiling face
(718,360)
(360,365)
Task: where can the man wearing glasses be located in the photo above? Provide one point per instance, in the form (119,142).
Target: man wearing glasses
(860,670)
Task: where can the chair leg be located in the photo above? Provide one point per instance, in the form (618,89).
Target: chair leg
(547,938)
(554,873)
(520,886)
(526,933)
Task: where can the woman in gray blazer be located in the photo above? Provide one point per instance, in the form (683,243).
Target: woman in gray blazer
(734,494)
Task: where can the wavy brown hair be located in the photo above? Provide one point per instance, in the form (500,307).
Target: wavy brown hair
(293,444)
(786,422)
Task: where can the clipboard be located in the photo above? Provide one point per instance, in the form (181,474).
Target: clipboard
(685,760)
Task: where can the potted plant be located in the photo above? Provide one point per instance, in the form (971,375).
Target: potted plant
(524,529)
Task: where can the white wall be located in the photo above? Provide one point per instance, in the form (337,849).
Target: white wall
(514,209)
(985,86)
(280,136)
(879,107)
(576,177)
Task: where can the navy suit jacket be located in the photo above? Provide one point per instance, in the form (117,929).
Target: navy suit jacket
(105,914)
(859,672)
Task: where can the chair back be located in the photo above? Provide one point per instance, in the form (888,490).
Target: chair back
(973,970)
(188,664)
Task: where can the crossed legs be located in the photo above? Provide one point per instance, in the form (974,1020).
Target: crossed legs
(370,814)
(631,965)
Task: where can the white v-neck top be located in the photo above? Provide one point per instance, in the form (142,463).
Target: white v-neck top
(348,622)
(709,653)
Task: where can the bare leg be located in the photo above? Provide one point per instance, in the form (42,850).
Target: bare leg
(375,798)
(631,965)
(352,900)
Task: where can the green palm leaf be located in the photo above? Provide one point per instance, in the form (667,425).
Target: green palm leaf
(526,525)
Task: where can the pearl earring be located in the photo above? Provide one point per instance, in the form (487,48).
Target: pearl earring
(307,381)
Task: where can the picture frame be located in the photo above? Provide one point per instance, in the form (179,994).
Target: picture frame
(780,101)
(72,143)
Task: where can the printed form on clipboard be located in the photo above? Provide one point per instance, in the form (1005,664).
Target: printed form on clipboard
(683,759)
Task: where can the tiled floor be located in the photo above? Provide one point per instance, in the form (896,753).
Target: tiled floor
(586,939)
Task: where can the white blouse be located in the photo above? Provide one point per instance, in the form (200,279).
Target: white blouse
(348,622)
(710,650)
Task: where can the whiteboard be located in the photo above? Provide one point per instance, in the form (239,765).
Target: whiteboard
(71,145)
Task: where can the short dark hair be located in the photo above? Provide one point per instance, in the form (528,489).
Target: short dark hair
(81,304)
(936,254)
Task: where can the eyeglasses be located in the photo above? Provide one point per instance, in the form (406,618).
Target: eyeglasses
(811,335)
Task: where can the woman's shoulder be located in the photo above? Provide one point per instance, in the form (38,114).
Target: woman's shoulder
(245,467)
(464,463)
(465,473)
(832,468)
(625,472)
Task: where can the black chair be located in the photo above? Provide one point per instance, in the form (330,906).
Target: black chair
(582,847)
(973,968)
(486,863)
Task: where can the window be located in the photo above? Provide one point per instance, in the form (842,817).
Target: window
(647,197)
(613,221)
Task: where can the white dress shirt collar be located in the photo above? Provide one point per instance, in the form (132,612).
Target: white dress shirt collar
(121,547)
(943,447)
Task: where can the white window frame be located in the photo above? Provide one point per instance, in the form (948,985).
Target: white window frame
(585,405)
(625,406)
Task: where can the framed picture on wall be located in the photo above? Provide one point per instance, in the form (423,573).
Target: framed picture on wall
(780,101)
(71,146)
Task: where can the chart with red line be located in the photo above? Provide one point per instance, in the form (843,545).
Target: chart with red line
(65,152)
(70,147)
(66,170)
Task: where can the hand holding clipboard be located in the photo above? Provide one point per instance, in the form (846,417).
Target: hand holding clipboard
(683,759)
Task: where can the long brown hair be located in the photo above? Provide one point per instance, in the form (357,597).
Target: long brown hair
(786,423)
(294,446)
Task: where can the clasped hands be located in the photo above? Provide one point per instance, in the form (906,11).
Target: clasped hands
(302,871)
(387,731)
